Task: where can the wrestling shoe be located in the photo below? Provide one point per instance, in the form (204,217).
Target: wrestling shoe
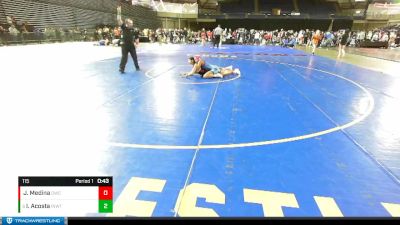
(236,71)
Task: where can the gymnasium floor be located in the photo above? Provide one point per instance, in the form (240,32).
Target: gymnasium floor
(295,135)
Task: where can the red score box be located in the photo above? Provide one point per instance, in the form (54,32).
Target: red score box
(105,193)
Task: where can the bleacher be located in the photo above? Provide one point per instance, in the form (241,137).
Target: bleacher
(306,8)
(38,14)
(3,18)
(313,8)
(286,6)
(241,6)
(72,13)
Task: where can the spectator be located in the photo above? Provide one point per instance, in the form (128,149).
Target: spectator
(99,33)
(375,37)
(13,31)
(209,35)
(105,32)
(37,33)
(185,35)
(289,42)
(23,28)
(385,37)
(203,37)
(392,39)
(14,21)
(117,33)
(369,35)
(257,37)
(315,40)
(2,30)
(9,20)
(84,35)
(343,42)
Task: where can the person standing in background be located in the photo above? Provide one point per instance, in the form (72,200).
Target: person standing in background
(217,35)
(315,40)
(343,43)
(203,36)
(185,35)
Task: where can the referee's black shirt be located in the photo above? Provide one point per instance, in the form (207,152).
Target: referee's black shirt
(129,35)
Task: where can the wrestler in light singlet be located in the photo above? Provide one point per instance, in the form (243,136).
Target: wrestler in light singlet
(206,70)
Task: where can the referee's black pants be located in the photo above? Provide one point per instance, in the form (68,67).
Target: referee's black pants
(217,40)
(124,59)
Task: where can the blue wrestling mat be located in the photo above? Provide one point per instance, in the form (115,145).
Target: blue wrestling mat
(294,135)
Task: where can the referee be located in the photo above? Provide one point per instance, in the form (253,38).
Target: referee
(129,43)
(217,36)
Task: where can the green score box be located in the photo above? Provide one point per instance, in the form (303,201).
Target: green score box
(105,206)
